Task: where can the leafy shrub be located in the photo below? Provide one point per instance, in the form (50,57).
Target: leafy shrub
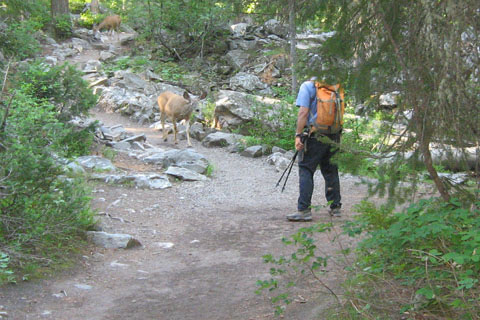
(426,257)
(63,26)
(42,211)
(76,6)
(273,125)
(18,40)
(61,85)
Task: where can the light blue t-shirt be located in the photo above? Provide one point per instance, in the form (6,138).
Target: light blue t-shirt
(307,98)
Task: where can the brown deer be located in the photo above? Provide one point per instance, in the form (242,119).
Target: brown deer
(177,108)
(111,23)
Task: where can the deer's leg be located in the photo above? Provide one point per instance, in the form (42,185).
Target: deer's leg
(174,121)
(188,131)
(164,132)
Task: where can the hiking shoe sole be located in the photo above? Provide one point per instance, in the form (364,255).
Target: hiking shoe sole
(300,217)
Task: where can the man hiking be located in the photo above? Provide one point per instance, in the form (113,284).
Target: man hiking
(314,151)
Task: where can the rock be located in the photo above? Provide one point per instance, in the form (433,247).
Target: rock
(235,109)
(138,138)
(122,145)
(389,100)
(96,163)
(112,240)
(237,58)
(239,29)
(75,168)
(242,44)
(92,66)
(279,160)
(252,152)
(197,132)
(276,149)
(83,286)
(99,82)
(454,178)
(243,81)
(51,60)
(116,133)
(106,55)
(220,139)
(274,27)
(185,174)
(152,181)
(187,158)
(132,81)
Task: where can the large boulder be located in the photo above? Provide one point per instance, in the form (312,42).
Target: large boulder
(243,81)
(235,109)
(274,27)
(221,139)
(238,58)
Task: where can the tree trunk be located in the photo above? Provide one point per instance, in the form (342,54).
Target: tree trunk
(293,44)
(94,7)
(423,138)
(59,7)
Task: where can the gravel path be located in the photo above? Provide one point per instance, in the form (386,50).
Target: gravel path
(219,228)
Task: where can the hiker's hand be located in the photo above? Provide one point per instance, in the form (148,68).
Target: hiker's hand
(298,143)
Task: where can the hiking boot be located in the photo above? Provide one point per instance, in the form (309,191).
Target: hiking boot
(300,216)
(335,212)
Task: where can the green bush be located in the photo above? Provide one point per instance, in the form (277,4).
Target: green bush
(61,85)
(63,26)
(428,256)
(273,125)
(18,40)
(42,211)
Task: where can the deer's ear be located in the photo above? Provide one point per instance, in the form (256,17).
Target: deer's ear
(186,95)
(203,96)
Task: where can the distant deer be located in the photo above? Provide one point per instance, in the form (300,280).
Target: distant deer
(177,108)
(111,23)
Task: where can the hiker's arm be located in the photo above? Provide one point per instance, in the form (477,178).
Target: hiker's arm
(301,123)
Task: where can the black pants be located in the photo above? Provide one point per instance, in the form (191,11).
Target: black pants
(318,154)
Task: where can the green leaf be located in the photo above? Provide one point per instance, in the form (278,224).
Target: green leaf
(426,292)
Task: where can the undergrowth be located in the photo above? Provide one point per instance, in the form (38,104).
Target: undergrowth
(420,263)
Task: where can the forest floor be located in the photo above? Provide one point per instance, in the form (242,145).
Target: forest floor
(202,245)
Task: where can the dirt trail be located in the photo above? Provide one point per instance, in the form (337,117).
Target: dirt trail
(219,229)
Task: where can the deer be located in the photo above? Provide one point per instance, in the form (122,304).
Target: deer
(177,108)
(111,23)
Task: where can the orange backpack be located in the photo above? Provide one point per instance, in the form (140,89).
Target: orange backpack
(330,108)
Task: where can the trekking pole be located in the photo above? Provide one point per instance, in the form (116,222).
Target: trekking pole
(289,168)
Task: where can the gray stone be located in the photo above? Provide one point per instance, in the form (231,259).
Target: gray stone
(112,240)
(185,174)
(139,138)
(237,58)
(152,181)
(239,29)
(243,81)
(389,100)
(122,145)
(96,163)
(276,149)
(278,160)
(92,66)
(252,152)
(99,82)
(75,168)
(51,60)
(106,55)
(220,139)
(132,81)
(197,132)
(274,27)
